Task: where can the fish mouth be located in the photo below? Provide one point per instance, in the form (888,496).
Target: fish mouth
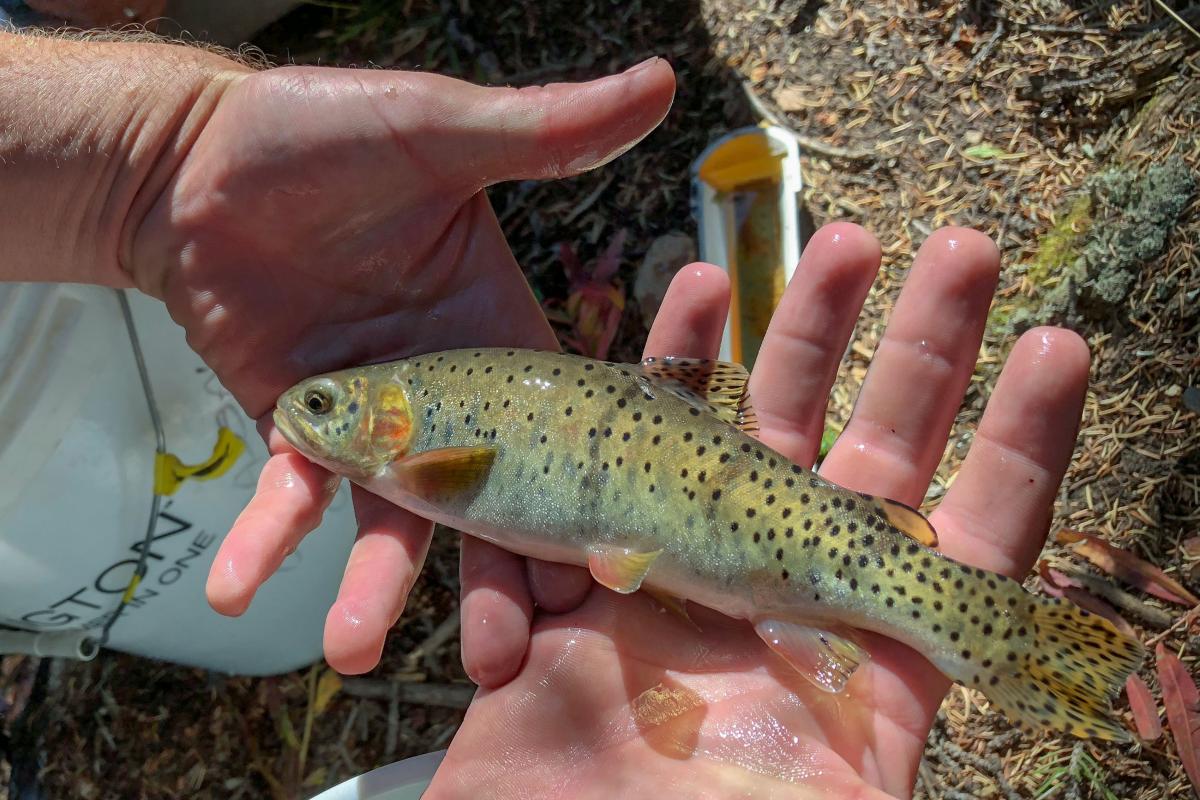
(284,423)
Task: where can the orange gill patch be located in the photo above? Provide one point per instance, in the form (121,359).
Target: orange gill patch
(391,420)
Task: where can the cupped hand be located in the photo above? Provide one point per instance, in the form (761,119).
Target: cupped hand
(324,218)
(622,699)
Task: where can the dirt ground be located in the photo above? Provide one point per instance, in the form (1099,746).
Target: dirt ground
(1064,130)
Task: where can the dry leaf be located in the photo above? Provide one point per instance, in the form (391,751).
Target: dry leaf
(596,301)
(328,686)
(1059,585)
(790,98)
(1128,567)
(1182,700)
(1145,710)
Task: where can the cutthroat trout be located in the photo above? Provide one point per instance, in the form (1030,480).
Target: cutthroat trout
(648,475)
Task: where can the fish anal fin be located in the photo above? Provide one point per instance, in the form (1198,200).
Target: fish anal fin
(824,658)
(620,568)
(446,473)
(714,387)
(909,521)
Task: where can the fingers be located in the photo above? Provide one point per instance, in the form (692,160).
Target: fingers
(486,135)
(914,387)
(557,588)
(807,337)
(496,612)
(692,316)
(384,563)
(996,513)
(292,495)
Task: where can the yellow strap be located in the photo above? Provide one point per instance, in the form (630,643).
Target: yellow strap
(169,471)
(134,582)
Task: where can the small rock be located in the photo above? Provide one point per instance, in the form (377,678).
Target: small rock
(666,256)
(973,137)
(1191,399)
(1173,391)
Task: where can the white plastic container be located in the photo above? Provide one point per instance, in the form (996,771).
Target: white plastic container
(403,780)
(77,456)
(746,199)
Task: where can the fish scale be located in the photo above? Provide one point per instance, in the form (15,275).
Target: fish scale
(647,475)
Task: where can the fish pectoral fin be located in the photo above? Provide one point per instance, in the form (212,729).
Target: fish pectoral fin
(909,521)
(620,568)
(715,387)
(670,602)
(825,659)
(443,473)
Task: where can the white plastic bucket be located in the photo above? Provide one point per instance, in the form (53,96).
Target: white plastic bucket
(403,780)
(730,179)
(77,452)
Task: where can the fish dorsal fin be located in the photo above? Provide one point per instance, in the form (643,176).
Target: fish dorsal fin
(716,387)
(909,521)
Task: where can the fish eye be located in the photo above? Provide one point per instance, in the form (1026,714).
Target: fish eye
(318,402)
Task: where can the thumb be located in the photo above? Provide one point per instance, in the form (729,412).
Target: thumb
(486,135)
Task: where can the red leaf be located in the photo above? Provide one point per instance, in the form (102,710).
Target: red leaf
(1059,585)
(1182,700)
(570,262)
(1128,567)
(1145,710)
(608,263)
(1052,580)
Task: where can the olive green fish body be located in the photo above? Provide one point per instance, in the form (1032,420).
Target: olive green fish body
(636,472)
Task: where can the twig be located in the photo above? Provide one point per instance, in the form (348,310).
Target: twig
(393,724)
(1183,622)
(808,143)
(447,695)
(984,51)
(988,766)
(1177,18)
(1118,597)
(440,635)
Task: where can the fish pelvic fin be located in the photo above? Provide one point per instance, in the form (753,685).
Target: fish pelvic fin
(715,387)
(619,568)
(1067,679)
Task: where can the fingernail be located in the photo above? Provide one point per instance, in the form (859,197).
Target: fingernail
(643,65)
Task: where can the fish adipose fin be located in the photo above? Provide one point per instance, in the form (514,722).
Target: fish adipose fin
(909,521)
(442,474)
(1067,679)
(825,659)
(717,387)
(620,568)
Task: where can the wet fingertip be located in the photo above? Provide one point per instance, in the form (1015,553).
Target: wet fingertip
(495,636)
(1064,347)
(351,643)
(226,592)
(845,234)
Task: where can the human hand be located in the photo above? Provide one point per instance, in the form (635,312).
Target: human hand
(321,218)
(619,698)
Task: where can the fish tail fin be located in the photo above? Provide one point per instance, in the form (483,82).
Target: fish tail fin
(1066,679)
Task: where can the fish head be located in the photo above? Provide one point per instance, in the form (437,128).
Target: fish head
(352,422)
